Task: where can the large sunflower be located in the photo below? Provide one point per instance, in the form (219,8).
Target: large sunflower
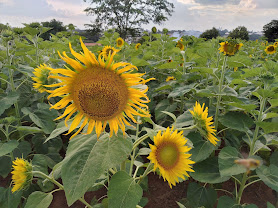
(108,51)
(99,92)
(229,48)
(22,174)
(170,155)
(120,42)
(271,49)
(204,122)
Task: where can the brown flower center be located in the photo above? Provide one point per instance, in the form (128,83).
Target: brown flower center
(167,155)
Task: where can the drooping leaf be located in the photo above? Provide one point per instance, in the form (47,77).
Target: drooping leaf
(39,200)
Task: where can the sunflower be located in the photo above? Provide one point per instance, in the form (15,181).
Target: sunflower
(204,122)
(181,64)
(22,174)
(170,155)
(137,46)
(180,45)
(154,30)
(235,69)
(108,50)
(170,78)
(120,42)
(275,44)
(41,78)
(271,49)
(169,60)
(229,48)
(99,92)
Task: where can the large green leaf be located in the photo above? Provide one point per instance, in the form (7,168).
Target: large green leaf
(227,165)
(87,158)
(269,175)
(9,199)
(202,147)
(61,128)
(7,101)
(123,191)
(7,147)
(199,196)
(180,91)
(268,127)
(225,201)
(236,120)
(207,171)
(39,200)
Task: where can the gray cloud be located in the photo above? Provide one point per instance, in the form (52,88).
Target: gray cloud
(217,2)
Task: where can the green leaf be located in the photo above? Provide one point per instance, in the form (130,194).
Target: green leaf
(207,171)
(87,158)
(123,191)
(202,147)
(265,93)
(184,119)
(5,167)
(22,150)
(269,205)
(171,115)
(7,147)
(39,200)
(180,91)
(30,30)
(274,158)
(7,101)
(225,201)
(201,196)
(29,129)
(273,102)
(246,107)
(139,62)
(268,127)
(61,128)
(227,165)
(236,120)
(203,70)
(269,175)
(9,199)
(164,105)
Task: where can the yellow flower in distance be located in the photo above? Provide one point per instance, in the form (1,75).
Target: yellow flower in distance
(170,155)
(41,77)
(275,44)
(108,51)
(120,42)
(271,49)
(21,174)
(99,91)
(137,46)
(229,48)
(180,45)
(235,69)
(170,78)
(169,60)
(204,122)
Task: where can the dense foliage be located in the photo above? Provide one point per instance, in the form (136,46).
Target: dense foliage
(240,32)
(209,34)
(271,30)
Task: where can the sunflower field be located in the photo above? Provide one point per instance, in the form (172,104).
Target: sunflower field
(198,115)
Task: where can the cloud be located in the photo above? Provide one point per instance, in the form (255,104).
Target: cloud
(217,2)
(7,2)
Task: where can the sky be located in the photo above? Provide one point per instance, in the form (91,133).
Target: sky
(188,14)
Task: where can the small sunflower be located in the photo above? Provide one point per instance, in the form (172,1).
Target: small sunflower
(41,78)
(108,50)
(204,122)
(180,45)
(229,48)
(169,60)
(137,46)
(170,78)
(235,69)
(271,49)
(154,30)
(22,174)
(275,44)
(99,92)
(170,155)
(120,42)
(181,64)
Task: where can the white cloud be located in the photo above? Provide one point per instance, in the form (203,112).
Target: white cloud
(7,2)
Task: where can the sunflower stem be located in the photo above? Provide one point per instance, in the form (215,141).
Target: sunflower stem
(220,91)
(242,186)
(58,184)
(187,128)
(147,171)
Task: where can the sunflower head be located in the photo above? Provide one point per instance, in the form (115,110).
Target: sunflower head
(120,42)
(271,49)
(97,92)
(41,78)
(21,174)
(204,123)
(170,155)
(229,48)
(137,46)
(170,78)
(169,60)
(275,44)
(109,51)
(180,45)
(154,30)
(235,69)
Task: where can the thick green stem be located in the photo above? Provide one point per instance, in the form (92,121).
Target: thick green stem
(221,81)
(134,149)
(147,171)
(242,186)
(256,133)
(59,185)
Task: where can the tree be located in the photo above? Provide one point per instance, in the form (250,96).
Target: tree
(271,30)
(240,32)
(127,16)
(209,34)
(56,26)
